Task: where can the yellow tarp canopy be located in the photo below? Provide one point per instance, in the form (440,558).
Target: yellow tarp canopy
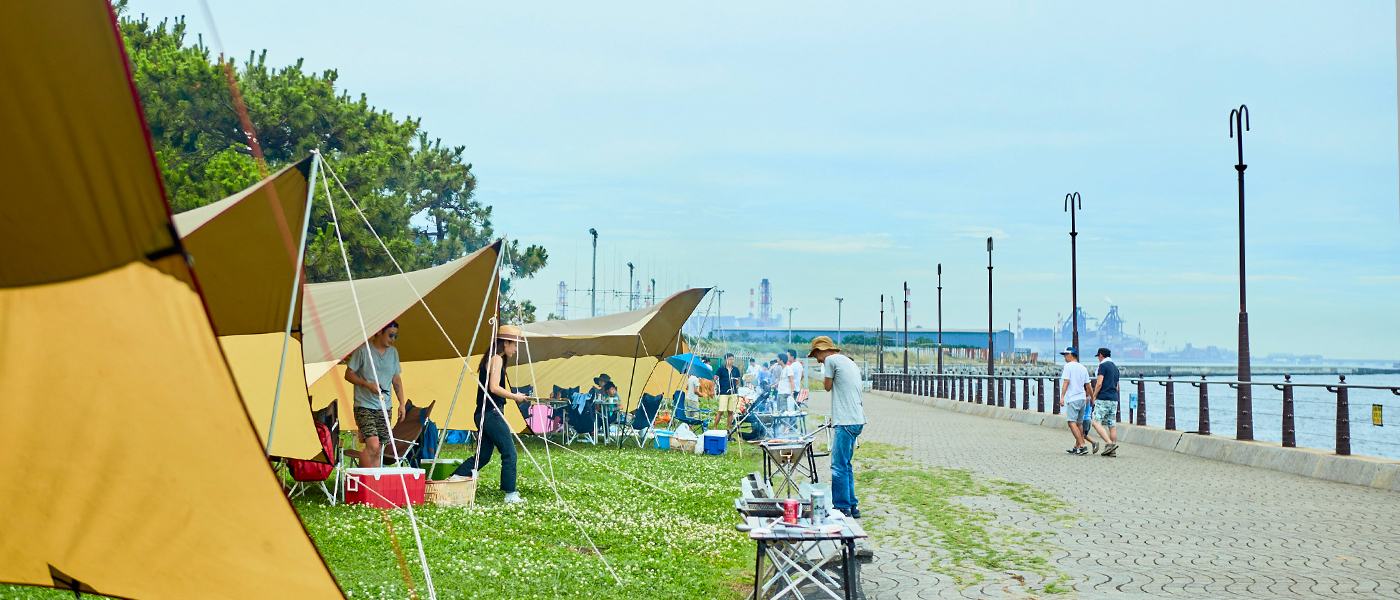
(246,266)
(104,338)
(455,292)
(652,331)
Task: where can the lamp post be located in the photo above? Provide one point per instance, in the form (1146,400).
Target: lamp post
(789,324)
(906,328)
(593,288)
(880,340)
(631,297)
(719,323)
(991,348)
(940,318)
(838,321)
(653,291)
(1244,417)
(1072,203)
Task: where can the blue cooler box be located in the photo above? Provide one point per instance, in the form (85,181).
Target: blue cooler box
(716,441)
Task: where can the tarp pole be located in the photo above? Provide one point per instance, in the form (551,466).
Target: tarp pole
(292,306)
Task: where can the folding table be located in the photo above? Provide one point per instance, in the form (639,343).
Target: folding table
(799,554)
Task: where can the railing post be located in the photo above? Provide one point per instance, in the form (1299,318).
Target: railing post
(1170,405)
(1025,393)
(1001,392)
(1055,391)
(1142,400)
(1343,417)
(1117,418)
(1203,419)
(1290,439)
(981,398)
(1039,394)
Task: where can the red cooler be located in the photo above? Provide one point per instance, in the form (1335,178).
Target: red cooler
(384,487)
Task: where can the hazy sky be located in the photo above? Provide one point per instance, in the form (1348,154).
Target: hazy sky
(841,149)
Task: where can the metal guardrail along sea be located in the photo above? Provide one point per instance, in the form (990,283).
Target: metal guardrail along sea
(1001,390)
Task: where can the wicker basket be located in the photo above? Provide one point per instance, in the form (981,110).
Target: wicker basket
(451,493)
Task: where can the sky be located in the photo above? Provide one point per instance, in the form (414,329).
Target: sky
(842,149)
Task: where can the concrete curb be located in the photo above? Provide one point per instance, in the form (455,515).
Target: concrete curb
(1368,471)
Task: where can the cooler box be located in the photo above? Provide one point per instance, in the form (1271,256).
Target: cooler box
(541,418)
(384,487)
(663,440)
(441,468)
(716,441)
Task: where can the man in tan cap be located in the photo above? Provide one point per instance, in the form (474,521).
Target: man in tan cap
(841,377)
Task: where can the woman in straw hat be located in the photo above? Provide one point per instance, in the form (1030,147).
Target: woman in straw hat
(494,431)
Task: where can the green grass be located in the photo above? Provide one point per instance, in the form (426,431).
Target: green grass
(682,546)
(973,546)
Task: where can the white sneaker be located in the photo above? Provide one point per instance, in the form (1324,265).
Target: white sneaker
(514,498)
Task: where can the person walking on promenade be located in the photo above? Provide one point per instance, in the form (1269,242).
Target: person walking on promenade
(1074,388)
(841,377)
(1106,402)
(373,368)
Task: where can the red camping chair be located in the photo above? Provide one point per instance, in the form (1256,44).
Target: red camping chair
(308,473)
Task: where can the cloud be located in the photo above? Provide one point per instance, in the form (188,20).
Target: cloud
(1378,279)
(981,232)
(819,243)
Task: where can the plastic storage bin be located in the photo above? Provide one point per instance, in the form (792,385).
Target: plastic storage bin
(441,468)
(716,441)
(663,440)
(384,487)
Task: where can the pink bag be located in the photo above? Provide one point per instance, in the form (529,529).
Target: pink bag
(540,418)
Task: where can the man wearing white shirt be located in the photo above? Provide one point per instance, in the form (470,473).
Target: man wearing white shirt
(1074,396)
(799,375)
(784,382)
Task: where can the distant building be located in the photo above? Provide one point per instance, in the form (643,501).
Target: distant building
(1004,340)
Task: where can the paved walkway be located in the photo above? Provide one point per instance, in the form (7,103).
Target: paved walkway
(1156,523)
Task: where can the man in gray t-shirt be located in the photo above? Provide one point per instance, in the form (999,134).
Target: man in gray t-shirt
(841,377)
(374,369)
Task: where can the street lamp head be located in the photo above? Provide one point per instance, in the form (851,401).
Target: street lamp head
(593,231)
(940,268)
(989,244)
(1072,199)
(1235,115)
(629,265)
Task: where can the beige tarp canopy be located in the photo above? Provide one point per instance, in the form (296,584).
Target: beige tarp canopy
(454,291)
(104,338)
(245,247)
(626,346)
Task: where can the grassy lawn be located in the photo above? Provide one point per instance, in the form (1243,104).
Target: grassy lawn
(660,546)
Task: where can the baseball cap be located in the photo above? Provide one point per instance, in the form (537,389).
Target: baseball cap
(1070,350)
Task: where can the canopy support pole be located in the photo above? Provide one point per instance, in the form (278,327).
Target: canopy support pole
(292,306)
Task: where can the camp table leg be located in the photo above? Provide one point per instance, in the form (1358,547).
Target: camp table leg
(757,572)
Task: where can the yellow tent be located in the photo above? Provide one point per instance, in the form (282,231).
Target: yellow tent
(159,489)
(245,247)
(456,292)
(627,346)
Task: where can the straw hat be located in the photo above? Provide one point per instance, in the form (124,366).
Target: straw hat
(509,332)
(820,343)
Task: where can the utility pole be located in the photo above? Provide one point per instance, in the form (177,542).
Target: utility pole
(631,296)
(789,324)
(593,288)
(1072,203)
(880,340)
(991,347)
(1244,417)
(906,328)
(940,318)
(838,321)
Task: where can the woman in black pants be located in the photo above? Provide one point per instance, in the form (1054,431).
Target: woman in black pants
(494,431)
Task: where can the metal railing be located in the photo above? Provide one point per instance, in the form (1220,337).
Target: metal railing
(1000,390)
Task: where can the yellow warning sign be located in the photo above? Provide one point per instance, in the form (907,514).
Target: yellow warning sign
(1376,415)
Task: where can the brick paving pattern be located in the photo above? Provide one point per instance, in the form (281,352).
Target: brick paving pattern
(1154,523)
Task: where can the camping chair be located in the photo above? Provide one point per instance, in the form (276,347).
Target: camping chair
(583,420)
(559,402)
(308,473)
(408,436)
(747,425)
(643,421)
(684,415)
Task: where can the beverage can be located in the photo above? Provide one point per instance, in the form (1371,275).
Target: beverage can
(790,511)
(818,507)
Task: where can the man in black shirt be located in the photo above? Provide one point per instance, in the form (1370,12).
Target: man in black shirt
(1106,402)
(728,379)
